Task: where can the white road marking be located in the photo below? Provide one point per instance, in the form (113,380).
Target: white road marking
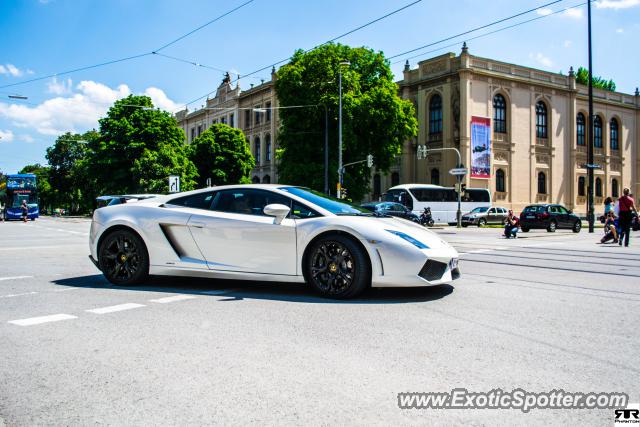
(15,278)
(42,319)
(79,233)
(114,308)
(40,247)
(17,295)
(172,299)
(65,289)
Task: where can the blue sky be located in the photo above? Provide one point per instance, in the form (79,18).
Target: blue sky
(43,37)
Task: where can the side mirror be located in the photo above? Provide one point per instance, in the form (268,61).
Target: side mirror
(278,211)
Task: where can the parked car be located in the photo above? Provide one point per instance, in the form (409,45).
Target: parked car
(393,209)
(485,215)
(549,217)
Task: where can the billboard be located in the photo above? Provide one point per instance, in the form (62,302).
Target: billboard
(480,147)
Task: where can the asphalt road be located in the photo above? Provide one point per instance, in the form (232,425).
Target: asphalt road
(546,311)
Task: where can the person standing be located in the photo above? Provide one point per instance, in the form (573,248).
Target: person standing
(25,210)
(626,208)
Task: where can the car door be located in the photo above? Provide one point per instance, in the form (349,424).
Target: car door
(491,216)
(236,235)
(564,215)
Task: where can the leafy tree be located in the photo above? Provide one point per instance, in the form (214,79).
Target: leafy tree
(375,119)
(582,77)
(139,147)
(46,195)
(222,154)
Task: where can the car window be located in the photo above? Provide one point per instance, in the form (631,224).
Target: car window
(198,201)
(534,209)
(562,210)
(301,211)
(397,207)
(247,201)
(492,210)
(553,209)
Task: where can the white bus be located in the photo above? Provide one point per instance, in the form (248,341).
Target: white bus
(443,201)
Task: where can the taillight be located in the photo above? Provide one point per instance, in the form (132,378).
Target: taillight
(543,215)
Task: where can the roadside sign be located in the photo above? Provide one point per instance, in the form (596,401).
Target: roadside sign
(458,171)
(174,184)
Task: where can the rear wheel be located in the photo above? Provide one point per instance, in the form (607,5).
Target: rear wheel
(552,227)
(337,267)
(525,229)
(123,258)
(577,226)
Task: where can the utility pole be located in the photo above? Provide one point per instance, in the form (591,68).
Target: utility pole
(326,150)
(590,165)
(340,167)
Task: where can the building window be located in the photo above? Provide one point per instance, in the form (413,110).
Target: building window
(598,187)
(256,143)
(435,176)
(223,120)
(268,111)
(199,130)
(613,135)
(395,179)
(255,180)
(542,183)
(581,186)
(580,130)
(499,114)
(266,179)
(193,134)
(500,185)
(541,120)
(597,132)
(614,188)
(435,115)
(231,120)
(247,118)
(257,114)
(377,187)
(268,147)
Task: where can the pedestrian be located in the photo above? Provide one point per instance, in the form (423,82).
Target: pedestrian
(511,224)
(608,206)
(25,210)
(626,208)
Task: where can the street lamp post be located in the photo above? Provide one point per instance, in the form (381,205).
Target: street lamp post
(340,168)
(590,207)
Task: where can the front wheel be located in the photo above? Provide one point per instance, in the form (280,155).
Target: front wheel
(482,222)
(577,226)
(552,227)
(337,267)
(123,258)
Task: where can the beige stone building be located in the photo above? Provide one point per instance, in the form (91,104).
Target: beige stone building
(538,131)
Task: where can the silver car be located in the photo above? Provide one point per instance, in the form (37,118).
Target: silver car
(485,215)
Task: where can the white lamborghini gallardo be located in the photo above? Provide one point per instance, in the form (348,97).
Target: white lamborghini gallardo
(267,233)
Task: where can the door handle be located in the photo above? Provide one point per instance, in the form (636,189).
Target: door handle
(197,224)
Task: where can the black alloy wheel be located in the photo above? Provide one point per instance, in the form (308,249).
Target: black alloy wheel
(123,258)
(577,226)
(337,267)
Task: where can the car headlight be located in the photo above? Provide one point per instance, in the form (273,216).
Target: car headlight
(418,244)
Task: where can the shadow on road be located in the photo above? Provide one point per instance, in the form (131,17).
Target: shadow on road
(238,290)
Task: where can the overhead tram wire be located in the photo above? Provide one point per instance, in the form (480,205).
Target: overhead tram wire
(315,47)
(128,58)
(489,33)
(476,29)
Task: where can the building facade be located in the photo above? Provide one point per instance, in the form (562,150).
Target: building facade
(539,132)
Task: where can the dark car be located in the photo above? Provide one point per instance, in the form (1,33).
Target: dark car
(549,217)
(393,209)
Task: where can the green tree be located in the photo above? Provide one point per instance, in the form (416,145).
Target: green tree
(582,77)
(139,147)
(222,154)
(46,195)
(375,119)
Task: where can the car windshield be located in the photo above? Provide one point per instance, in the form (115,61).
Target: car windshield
(333,205)
(479,210)
(534,209)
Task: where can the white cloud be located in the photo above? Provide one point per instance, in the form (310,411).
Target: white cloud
(30,71)
(544,11)
(6,136)
(541,59)
(161,100)
(60,88)
(10,69)
(617,4)
(26,138)
(76,112)
(567,43)
(620,30)
(573,13)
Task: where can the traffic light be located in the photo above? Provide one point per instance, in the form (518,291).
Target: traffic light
(370,160)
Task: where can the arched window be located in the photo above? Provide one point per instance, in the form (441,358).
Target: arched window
(376,186)
(267,147)
(598,187)
(613,135)
(541,120)
(580,130)
(597,132)
(542,183)
(256,144)
(435,176)
(395,179)
(499,114)
(255,180)
(500,184)
(614,188)
(581,186)
(435,115)
(266,179)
